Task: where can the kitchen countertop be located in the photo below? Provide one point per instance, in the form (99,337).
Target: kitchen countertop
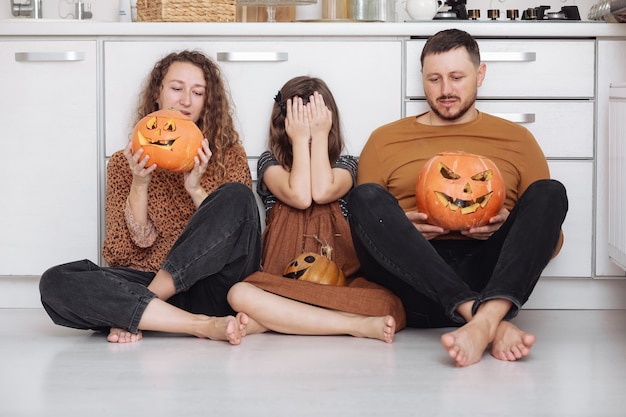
(516,29)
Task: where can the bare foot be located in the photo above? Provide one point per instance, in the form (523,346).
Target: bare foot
(219,328)
(467,344)
(249,325)
(510,343)
(381,328)
(117,335)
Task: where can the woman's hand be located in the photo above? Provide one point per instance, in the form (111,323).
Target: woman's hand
(194,176)
(142,173)
(320,116)
(297,121)
(485,232)
(429,231)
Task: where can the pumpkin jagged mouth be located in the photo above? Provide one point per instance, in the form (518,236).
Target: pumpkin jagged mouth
(295,274)
(466,206)
(167,144)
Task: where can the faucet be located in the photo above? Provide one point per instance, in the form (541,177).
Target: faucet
(28,8)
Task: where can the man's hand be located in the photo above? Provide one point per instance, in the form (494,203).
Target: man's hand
(485,232)
(429,231)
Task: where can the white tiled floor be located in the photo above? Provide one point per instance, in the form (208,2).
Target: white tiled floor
(577,368)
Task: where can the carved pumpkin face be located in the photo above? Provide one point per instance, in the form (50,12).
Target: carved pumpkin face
(170,138)
(313,267)
(459,190)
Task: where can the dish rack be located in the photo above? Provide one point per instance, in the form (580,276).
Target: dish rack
(612,11)
(186,10)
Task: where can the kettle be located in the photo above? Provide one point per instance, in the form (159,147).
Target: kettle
(423,9)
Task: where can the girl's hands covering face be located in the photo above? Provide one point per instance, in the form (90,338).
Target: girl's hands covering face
(297,121)
(320,116)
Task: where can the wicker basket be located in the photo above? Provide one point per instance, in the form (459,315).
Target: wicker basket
(186,10)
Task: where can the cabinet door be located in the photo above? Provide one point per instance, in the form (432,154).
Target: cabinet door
(48,164)
(563,128)
(611,70)
(365,78)
(575,258)
(524,68)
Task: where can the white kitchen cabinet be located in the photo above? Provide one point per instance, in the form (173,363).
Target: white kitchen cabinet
(575,259)
(48,164)
(563,128)
(527,82)
(523,68)
(611,70)
(576,173)
(364,76)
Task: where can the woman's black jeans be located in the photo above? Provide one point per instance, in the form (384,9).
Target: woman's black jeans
(219,247)
(432,278)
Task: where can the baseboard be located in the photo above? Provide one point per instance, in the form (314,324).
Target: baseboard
(19,291)
(550,293)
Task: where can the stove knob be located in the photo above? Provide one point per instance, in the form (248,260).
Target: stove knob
(493,14)
(531,14)
(512,14)
(473,14)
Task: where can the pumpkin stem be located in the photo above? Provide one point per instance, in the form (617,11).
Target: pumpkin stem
(326,250)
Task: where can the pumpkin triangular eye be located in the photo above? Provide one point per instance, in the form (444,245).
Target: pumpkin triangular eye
(447,173)
(152,123)
(483,176)
(170,125)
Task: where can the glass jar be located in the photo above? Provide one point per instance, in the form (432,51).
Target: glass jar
(337,9)
(374,10)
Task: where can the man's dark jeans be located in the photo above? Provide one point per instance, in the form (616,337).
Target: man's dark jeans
(432,278)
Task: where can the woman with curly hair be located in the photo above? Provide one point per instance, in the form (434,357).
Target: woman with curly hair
(175,242)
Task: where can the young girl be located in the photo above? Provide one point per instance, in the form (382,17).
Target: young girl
(302,181)
(175,243)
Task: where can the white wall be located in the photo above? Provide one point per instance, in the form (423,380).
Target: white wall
(107,9)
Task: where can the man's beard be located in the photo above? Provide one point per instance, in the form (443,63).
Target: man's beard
(451,117)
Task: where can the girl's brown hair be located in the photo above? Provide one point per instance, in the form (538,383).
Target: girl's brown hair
(303,87)
(216,121)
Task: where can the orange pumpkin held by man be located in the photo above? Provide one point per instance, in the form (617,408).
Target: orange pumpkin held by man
(459,190)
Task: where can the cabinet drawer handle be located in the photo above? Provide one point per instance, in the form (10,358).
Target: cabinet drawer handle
(508,56)
(49,56)
(252,56)
(517,117)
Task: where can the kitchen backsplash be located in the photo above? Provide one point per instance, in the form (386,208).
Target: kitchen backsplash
(107,10)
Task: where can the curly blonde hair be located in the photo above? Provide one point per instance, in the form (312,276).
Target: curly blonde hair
(216,118)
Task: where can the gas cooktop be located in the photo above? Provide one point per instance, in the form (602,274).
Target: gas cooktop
(457,10)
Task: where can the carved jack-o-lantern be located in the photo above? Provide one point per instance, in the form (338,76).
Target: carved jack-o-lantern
(170,138)
(459,190)
(313,267)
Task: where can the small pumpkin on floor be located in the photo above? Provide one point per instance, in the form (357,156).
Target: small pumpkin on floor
(315,267)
